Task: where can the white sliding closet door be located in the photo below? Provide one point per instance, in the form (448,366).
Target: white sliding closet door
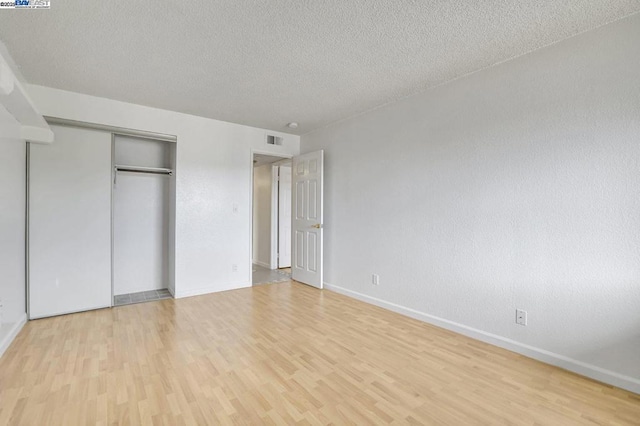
(70,223)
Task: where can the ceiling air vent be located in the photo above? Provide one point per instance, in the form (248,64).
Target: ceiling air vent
(274,140)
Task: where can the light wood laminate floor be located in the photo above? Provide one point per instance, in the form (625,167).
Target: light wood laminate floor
(282,354)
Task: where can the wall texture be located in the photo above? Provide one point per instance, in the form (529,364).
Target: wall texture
(262,215)
(514,187)
(213,174)
(141,233)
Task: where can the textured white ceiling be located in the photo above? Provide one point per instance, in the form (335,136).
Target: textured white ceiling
(266,63)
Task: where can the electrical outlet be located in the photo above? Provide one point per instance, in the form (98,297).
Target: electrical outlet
(234,268)
(375,279)
(521,317)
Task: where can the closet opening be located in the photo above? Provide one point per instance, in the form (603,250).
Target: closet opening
(143,219)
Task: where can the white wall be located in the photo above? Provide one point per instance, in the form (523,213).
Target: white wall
(213,163)
(283,222)
(140,233)
(262,181)
(515,187)
(12,241)
(12,217)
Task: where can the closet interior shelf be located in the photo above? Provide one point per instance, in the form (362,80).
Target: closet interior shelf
(139,169)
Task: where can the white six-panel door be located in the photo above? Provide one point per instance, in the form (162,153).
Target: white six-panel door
(307,204)
(70,223)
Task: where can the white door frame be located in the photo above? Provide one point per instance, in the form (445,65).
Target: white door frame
(285,158)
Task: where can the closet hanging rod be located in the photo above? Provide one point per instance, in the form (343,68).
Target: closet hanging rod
(150,170)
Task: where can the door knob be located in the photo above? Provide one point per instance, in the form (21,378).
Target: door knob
(317,226)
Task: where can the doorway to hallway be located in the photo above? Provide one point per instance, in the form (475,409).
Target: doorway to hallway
(271,224)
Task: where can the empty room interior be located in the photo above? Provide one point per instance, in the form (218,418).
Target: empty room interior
(320,212)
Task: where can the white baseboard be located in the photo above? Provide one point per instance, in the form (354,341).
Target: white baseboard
(171,291)
(179,294)
(594,372)
(9,331)
(263,264)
